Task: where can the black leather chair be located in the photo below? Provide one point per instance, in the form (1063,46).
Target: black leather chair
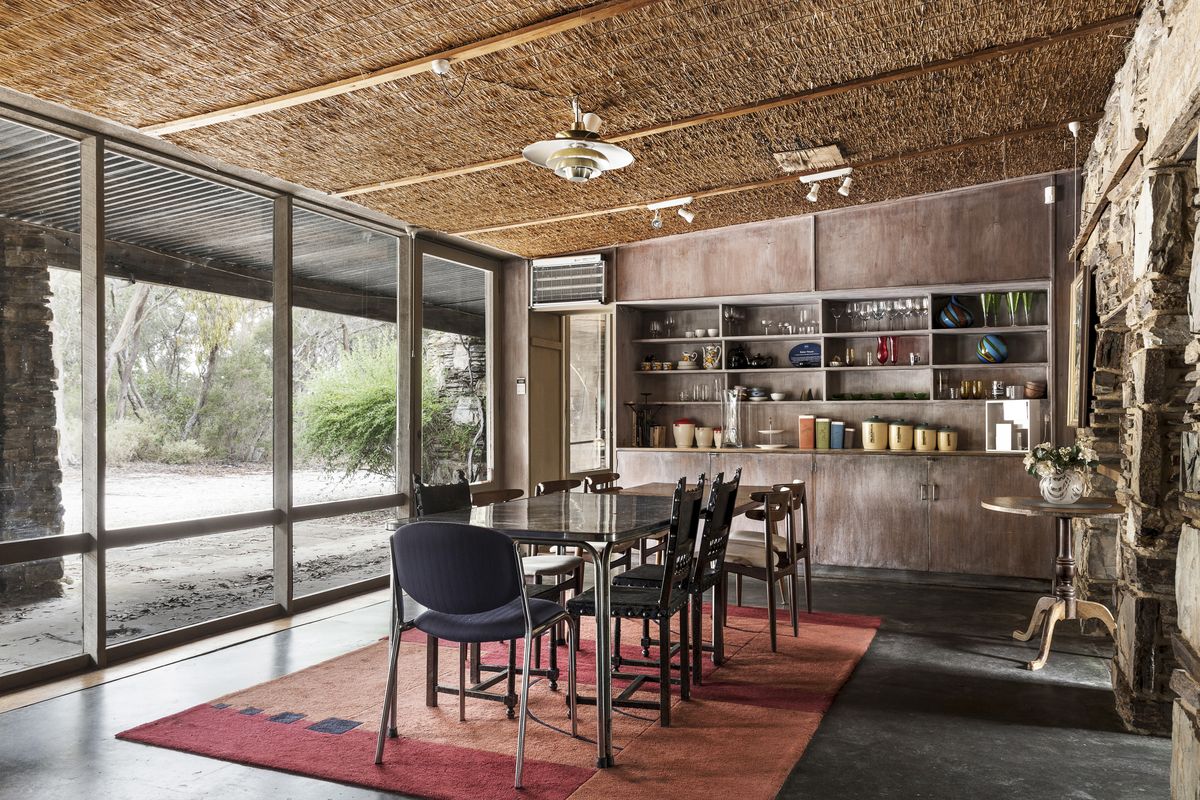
(709,572)
(470,583)
(659,604)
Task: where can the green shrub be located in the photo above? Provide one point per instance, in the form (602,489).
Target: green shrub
(130,440)
(348,414)
(185,451)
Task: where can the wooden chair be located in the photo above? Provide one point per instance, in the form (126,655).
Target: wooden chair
(773,557)
(554,487)
(602,483)
(709,573)
(434,499)
(672,596)
(480,499)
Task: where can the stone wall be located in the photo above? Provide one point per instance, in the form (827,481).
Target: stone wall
(30,475)
(1146,381)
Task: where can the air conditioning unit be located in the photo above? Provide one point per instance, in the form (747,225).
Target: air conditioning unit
(568,281)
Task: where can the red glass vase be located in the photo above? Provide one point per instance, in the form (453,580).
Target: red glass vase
(881,352)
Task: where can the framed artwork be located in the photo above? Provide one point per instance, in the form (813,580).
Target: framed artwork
(1079,379)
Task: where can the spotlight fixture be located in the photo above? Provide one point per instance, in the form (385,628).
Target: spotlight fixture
(1073,127)
(656,222)
(688,216)
(844,189)
(440,67)
(812,192)
(578,154)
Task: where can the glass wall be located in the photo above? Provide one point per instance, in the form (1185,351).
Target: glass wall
(188,367)
(344,359)
(187,346)
(41,493)
(588,344)
(455,404)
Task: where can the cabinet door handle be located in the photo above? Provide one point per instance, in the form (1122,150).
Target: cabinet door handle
(924,491)
(934,486)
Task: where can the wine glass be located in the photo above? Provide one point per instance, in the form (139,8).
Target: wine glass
(878,311)
(985,303)
(766,323)
(910,311)
(1012,298)
(895,312)
(1026,302)
(836,312)
(923,310)
(863,311)
(670,326)
(655,329)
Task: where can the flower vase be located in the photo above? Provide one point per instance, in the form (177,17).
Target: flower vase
(1063,487)
(881,351)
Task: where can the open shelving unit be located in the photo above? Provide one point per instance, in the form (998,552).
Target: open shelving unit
(946,355)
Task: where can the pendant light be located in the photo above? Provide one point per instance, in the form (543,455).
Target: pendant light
(578,154)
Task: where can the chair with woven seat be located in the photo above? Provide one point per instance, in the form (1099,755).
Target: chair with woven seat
(773,557)
(659,604)
(709,571)
(469,581)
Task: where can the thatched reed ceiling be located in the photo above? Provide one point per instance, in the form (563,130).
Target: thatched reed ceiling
(662,62)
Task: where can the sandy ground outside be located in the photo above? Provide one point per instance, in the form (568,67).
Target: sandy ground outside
(159,587)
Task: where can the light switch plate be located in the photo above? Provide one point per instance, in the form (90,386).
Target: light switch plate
(520,386)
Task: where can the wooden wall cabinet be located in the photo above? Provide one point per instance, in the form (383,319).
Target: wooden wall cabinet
(894,512)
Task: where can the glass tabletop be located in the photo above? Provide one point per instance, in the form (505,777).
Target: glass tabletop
(569,517)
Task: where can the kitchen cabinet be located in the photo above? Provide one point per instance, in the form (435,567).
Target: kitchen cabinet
(868,511)
(966,538)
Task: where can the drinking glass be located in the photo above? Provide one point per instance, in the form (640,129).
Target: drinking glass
(863,310)
(895,312)
(1012,307)
(986,301)
(1026,302)
(836,312)
(923,310)
(877,313)
(670,326)
(766,323)
(655,329)
(910,311)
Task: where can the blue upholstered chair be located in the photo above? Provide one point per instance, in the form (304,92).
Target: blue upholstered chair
(469,582)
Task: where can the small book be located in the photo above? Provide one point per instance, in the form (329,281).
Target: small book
(808,435)
(822,427)
(837,435)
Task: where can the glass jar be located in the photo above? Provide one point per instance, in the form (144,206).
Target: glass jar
(1064,487)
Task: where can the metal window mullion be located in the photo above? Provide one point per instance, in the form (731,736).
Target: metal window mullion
(281,407)
(91,264)
(409,322)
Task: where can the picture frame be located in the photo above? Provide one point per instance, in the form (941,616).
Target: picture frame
(1079,353)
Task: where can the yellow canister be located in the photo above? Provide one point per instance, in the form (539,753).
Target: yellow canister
(947,439)
(874,434)
(925,438)
(900,435)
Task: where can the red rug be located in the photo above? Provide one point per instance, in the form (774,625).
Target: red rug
(759,708)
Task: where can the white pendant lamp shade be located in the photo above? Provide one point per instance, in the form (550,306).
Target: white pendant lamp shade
(578,154)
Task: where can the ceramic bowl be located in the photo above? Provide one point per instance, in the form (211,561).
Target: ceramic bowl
(778,395)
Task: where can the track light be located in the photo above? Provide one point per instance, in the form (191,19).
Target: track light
(688,216)
(1073,127)
(440,67)
(592,122)
(656,223)
(844,189)
(812,192)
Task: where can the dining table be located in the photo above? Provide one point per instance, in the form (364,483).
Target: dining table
(597,523)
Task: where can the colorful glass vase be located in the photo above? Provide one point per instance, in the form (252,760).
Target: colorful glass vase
(956,315)
(991,349)
(881,351)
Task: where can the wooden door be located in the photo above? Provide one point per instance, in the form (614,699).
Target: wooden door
(545,414)
(868,511)
(967,538)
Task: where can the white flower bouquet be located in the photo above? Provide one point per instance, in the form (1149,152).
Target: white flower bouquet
(1046,460)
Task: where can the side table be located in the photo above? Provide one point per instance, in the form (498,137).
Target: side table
(1063,605)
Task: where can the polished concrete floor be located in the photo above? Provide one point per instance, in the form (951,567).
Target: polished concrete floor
(940,707)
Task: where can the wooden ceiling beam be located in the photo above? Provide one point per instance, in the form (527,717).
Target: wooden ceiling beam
(794,177)
(817,93)
(493,44)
